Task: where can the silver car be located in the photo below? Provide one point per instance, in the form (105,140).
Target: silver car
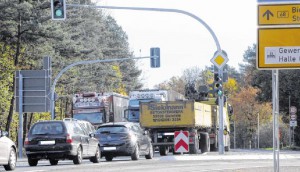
(8,156)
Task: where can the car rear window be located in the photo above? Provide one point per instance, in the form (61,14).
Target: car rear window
(112,129)
(47,128)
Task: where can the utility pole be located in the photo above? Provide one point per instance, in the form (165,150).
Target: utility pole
(289,91)
(258,130)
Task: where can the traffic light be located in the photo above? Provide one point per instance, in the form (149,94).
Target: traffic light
(218,84)
(155,57)
(58,9)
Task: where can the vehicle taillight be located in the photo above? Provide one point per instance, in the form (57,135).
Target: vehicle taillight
(26,141)
(69,138)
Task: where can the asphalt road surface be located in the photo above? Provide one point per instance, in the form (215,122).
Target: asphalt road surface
(233,161)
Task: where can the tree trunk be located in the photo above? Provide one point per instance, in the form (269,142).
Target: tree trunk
(25,127)
(30,121)
(10,114)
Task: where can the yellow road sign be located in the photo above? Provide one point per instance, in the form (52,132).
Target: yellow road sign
(278,14)
(278,48)
(220,59)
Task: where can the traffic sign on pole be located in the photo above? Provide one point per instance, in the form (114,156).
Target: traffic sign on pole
(219,59)
(293,109)
(278,48)
(181,141)
(278,14)
(35,90)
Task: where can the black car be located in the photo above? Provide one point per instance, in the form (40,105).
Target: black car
(61,139)
(124,139)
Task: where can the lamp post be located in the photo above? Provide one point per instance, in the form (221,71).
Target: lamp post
(289,92)
(258,130)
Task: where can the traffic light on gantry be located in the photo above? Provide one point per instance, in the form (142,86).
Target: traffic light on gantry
(58,9)
(218,84)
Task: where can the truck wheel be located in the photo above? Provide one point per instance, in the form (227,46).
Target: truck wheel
(194,148)
(108,158)
(163,150)
(204,142)
(53,162)
(214,146)
(11,161)
(32,162)
(227,148)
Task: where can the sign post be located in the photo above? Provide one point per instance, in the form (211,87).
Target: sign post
(293,121)
(219,60)
(278,47)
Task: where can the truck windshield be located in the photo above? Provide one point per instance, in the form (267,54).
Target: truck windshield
(94,118)
(136,102)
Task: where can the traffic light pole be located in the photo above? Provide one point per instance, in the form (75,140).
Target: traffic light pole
(221,118)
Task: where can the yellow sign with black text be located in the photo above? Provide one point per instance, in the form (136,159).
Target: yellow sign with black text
(279,14)
(278,48)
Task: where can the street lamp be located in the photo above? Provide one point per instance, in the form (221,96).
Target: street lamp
(258,130)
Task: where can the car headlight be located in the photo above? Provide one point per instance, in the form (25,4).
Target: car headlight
(133,137)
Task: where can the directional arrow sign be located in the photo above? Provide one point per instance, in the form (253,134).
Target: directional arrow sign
(278,14)
(181,141)
(268,14)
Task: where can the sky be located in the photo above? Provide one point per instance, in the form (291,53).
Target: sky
(183,41)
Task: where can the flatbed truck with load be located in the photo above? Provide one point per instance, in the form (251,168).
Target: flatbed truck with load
(132,113)
(162,119)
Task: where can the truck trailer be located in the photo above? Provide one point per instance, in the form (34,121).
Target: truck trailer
(99,108)
(136,97)
(162,119)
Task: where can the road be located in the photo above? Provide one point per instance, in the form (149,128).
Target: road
(233,161)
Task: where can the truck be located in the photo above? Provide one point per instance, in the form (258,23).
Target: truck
(132,114)
(200,119)
(99,108)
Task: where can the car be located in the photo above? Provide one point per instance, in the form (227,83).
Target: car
(61,139)
(124,139)
(8,155)
(87,126)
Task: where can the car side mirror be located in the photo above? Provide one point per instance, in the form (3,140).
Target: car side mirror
(92,134)
(3,133)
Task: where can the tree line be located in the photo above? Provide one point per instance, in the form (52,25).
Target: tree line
(28,34)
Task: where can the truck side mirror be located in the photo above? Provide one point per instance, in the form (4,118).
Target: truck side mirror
(230,109)
(126,114)
(146,132)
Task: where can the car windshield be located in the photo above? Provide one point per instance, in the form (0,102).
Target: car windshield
(47,128)
(112,129)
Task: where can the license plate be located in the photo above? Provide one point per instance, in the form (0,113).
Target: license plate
(109,148)
(50,142)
